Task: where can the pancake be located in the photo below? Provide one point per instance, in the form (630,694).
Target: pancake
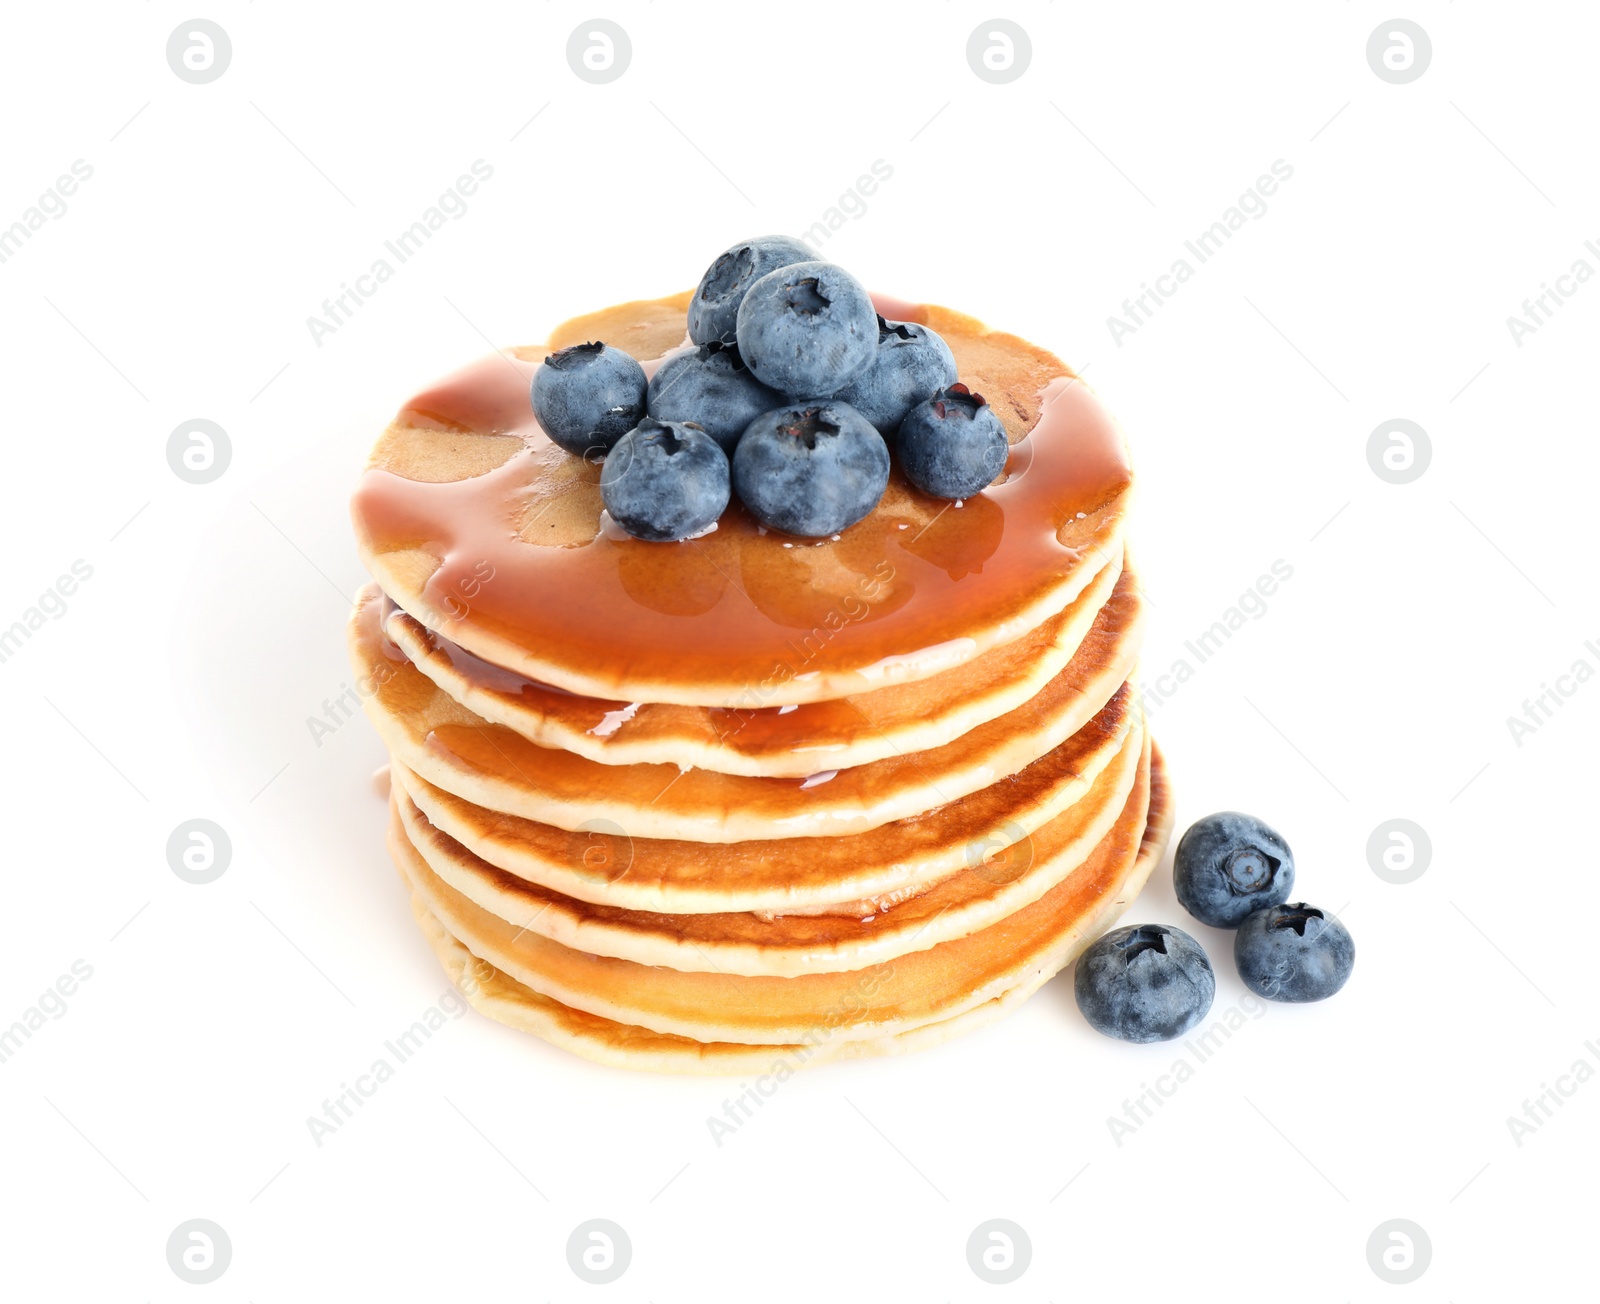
(879,1001)
(606,866)
(621,1045)
(494,993)
(483,530)
(795,741)
(455,749)
(844,936)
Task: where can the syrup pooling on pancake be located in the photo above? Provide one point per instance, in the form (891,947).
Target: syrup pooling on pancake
(497,767)
(488,676)
(896,596)
(790,740)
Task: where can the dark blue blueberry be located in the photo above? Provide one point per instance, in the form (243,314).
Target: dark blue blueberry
(712,387)
(665,480)
(807,330)
(1293,953)
(1146,983)
(812,469)
(952,445)
(1229,865)
(912,364)
(588,396)
(715,306)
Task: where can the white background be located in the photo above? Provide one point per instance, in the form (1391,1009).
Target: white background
(1377,684)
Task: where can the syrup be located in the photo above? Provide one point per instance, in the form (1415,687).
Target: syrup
(744,617)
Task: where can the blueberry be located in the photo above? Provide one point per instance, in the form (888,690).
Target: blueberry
(811,470)
(952,445)
(912,364)
(1228,865)
(1146,983)
(1293,953)
(712,387)
(588,396)
(665,480)
(808,329)
(715,305)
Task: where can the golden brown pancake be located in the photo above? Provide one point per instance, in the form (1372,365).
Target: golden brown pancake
(847,935)
(496,767)
(793,741)
(501,997)
(606,866)
(482,529)
(878,1001)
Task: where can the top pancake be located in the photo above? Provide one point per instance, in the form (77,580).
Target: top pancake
(482,529)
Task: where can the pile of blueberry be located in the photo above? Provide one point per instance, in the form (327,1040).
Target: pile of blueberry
(790,395)
(1154,983)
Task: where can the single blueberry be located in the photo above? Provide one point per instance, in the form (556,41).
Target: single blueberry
(715,306)
(665,480)
(1145,983)
(912,364)
(711,386)
(807,329)
(588,396)
(811,470)
(1228,865)
(1293,953)
(952,445)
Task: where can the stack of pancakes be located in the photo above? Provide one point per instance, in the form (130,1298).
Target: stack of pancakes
(747,802)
